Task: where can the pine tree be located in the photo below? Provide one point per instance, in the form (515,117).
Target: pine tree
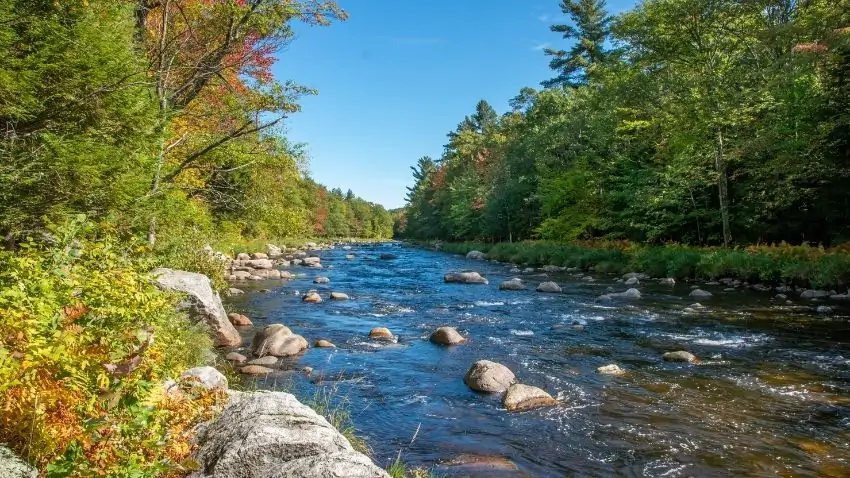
(590,29)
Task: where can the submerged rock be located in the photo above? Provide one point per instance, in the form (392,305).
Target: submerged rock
(700,294)
(490,377)
(387,256)
(476,255)
(521,397)
(321,280)
(447,336)
(680,356)
(202,303)
(272,434)
(635,275)
(233,292)
(239,319)
(465,277)
(512,284)
(612,369)
(628,294)
(277,340)
(548,287)
(350,257)
(480,463)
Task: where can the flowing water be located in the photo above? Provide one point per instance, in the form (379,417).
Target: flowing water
(771,396)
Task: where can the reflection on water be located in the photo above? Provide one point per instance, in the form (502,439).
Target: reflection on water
(770,396)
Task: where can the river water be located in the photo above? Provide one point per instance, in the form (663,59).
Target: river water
(771,396)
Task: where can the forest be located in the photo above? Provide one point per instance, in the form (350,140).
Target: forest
(696,122)
(161,118)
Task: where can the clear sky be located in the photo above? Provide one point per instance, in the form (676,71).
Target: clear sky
(398,75)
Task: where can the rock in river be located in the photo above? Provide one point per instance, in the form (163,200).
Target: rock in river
(447,336)
(612,369)
(549,287)
(239,319)
(700,294)
(512,284)
(271,434)
(487,376)
(521,397)
(325,344)
(312,297)
(680,356)
(629,294)
(465,277)
(277,340)
(264,361)
(321,280)
(380,333)
(202,303)
(339,296)
(387,256)
(235,357)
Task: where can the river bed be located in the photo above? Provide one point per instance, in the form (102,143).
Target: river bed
(770,397)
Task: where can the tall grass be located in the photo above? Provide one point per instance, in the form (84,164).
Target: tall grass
(804,266)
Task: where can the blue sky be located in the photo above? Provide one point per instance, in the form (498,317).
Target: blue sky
(400,74)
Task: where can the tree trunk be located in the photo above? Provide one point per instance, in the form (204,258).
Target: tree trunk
(723,188)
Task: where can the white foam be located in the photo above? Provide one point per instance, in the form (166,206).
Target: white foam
(522,332)
(482,303)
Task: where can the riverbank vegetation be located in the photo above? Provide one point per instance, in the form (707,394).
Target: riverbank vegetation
(695,122)
(135,132)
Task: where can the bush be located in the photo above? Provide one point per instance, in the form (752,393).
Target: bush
(86,341)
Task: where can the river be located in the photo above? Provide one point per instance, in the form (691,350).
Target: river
(771,396)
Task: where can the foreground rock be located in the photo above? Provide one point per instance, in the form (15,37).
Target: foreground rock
(521,397)
(447,336)
(277,340)
(549,287)
(490,377)
(13,467)
(465,277)
(680,356)
(202,303)
(205,377)
(512,284)
(612,369)
(239,319)
(272,434)
(476,255)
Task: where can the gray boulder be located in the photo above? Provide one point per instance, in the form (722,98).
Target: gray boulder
(549,287)
(513,284)
(487,376)
(476,255)
(700,294)
(272,434)
(260,263)
(814,294)
(11,466)
(202,303)
(632,281)
(205,377)
(465,277)
(277,340)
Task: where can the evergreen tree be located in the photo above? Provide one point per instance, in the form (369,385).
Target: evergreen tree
(589,30)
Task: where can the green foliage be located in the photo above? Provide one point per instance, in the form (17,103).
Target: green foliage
(86,341)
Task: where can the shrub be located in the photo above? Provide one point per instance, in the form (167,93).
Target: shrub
(86,341)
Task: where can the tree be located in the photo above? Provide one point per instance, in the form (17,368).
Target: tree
(589,32)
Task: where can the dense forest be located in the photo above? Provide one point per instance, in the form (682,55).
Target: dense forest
(161,118)
(705,122)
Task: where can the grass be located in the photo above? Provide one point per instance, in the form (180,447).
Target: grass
(400,470)
(804,266)
(334,406)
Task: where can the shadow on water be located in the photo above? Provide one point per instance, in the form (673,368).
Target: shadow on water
(770,397)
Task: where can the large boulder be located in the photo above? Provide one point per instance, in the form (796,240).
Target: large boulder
(447,336)
(521,397)
(273,251)
(487,376)
(260,263)
(512,284)
(202,303)
(549,287)
(381,333)
(277,340)
(11,466)
(476,255)
(465,277)
(205,377)
(271,434)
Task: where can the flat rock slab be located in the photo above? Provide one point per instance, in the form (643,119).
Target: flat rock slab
(272,434)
